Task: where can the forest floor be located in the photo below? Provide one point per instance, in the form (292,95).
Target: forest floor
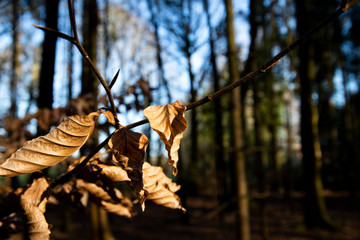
(284,221)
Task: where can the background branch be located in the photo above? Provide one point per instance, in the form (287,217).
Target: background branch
(269,64)
(75,40)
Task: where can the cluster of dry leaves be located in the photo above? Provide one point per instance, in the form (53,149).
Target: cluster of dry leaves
(96,181)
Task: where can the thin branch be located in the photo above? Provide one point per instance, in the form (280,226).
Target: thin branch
(67,176)
(56,33)
(72,19)
(272,62)
(87,58)
(269,64)
(76,42)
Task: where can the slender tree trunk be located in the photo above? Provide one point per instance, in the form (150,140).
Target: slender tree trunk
(259,157)
(107,44)
(258,123)
(315,213)
(46,82)
(101,229)
(349,149)
(89,83)
(70,72)
(193,120)
(288,180)
(243,218)
(187,49)
(154,21)
(222,189)
(15,59)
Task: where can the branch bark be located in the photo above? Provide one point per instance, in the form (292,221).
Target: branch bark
(269,64)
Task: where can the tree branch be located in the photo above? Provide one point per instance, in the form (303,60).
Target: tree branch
(75,40)
(269,64)
(67,176)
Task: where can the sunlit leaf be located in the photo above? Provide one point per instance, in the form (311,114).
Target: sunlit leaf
(33,203)
(161,189)
(109,115)
(170,123)
(52,148)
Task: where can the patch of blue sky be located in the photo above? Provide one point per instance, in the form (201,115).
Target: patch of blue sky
(339,96)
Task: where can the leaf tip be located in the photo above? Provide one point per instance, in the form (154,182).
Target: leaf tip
(109,115)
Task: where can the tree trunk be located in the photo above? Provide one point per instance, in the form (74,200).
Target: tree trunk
(315,213)
(15,59)
(46,82)
(89,82)
(243,223)
(101,228)
(251,65)
(159,60)
(222,189)
(70,72)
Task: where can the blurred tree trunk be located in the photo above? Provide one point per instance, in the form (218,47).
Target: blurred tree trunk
(89,89)
(315,213)
(188,45)
(251,65)
(258,118)
(243,218)
(47,69)
(154,19)
(70,71)
(89,82)
(222,189)
(349,149)
(15,58)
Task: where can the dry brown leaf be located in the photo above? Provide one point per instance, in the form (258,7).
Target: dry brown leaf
(93,190)
(170,123)
(114,173)
(52,148)
(161,189)
(103,199)
(117,208)
(109,115)
(128,152)
(33,204)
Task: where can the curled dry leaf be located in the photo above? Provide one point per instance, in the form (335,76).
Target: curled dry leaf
(114,173)
(117,208)
(161,189)
(128,152)
(109,115)
(93,190)
(34,203)
(170,123)
(52,148)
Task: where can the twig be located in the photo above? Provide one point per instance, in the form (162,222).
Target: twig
(114,79)
(67,176)
(272,62)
